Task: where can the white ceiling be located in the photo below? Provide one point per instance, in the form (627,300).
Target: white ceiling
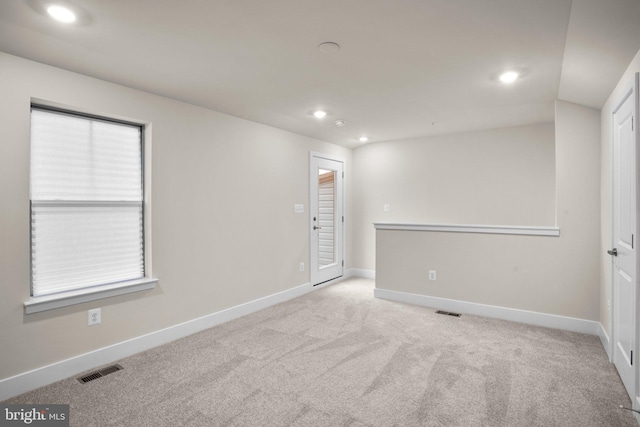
(406,68)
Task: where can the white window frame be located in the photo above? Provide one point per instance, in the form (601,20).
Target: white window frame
(63,299)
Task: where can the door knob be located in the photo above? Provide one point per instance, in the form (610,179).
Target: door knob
(613,252)
(315,227)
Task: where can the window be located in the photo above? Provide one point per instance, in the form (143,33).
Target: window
(87,203)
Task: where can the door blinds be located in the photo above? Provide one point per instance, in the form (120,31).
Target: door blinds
(86,202)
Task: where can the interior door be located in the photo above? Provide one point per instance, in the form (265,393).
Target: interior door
(624,253)
(326,218)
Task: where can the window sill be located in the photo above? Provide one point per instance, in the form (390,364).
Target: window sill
(64,299)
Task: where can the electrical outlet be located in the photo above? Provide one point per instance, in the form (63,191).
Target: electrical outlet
(302,266)
(94,317)
(432,275)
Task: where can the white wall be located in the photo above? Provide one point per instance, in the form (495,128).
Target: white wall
(223,227)
(605,187)
(553,275)
(211,200)
(499,177)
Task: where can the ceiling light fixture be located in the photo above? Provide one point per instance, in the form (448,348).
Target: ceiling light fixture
(509,77)
(363,139)
(319,114)
(328,47)
(340,122)
(61,14)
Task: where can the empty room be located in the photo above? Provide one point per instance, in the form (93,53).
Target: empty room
(338,213)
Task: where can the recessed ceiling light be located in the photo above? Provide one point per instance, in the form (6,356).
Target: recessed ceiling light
(340,122)
(319,114)
(509,77)
(61,14)
(329,47)
(363,139)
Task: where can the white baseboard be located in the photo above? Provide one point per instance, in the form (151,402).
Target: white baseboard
(39,377)
(604,339)
(512,314)
(359,272)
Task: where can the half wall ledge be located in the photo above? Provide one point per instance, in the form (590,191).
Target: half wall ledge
(472,228)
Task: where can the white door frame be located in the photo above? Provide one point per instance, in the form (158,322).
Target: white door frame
(630,90)
(313,180)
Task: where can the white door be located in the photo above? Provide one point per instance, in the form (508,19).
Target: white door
(624,251)
(326,218)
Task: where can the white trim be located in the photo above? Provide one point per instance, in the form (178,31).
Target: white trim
(604,339)
(147,207)
(512,314)
(21,383)
(326,156)
(359,272)
(472,228)
(50,302)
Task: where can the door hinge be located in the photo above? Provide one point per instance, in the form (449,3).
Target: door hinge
(342,218)
(343,171)
(632,241)
(631,126)
(631,357)
(343,263)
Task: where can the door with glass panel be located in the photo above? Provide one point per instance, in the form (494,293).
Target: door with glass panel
(326,218)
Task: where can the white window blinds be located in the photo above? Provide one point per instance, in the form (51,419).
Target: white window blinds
(86,202)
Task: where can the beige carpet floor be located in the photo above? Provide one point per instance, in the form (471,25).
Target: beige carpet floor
(339,357)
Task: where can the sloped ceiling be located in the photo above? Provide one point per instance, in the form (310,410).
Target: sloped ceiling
(406,68)
(603,37)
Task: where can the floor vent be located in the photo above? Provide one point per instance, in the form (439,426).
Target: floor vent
(448,313)
(99,374)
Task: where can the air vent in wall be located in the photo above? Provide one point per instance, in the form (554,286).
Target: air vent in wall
(99,374)
(448,313)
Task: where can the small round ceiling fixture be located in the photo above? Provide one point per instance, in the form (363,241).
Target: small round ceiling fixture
(508,77)
(319,114)
(363,139)
(61,14)
(62,11)
(328,47)
(340,122)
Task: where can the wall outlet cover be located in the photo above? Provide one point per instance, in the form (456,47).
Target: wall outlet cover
(95,317)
